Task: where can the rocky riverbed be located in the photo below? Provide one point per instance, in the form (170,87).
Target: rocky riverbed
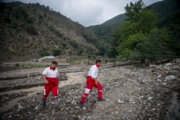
(131,93)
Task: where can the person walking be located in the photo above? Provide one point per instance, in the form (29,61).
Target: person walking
(91,82)
(50,77)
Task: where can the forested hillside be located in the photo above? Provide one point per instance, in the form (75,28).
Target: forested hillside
(105,30)
(145,36)
(165,16)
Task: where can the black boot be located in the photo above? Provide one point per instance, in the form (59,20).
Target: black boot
(81,105)
(101,99)
(44,103)
(56,103)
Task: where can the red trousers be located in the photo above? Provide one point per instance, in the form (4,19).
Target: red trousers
(51,86)
(90,83)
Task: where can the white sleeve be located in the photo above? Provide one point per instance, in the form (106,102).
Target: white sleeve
(94,73)
(57,73)
(44,72)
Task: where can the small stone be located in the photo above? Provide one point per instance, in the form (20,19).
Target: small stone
(170,77)
(120,101)
(168,64)
(141,97)
(20,107)
(164,83)
(150,98)
(36,107)
(159,80)
(159,76)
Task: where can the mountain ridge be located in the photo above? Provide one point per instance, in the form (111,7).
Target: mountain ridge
(33,30)
(115,22)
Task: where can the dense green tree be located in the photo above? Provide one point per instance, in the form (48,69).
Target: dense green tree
(172,23)
(126,48)
(133,8)
(139,38)
(138,24)
(154,46)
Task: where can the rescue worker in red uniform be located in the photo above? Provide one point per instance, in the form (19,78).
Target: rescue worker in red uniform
(91,82)
(50,77)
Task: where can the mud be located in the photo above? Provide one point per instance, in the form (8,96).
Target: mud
(131,93)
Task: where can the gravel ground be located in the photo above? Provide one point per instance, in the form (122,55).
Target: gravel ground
(131,93)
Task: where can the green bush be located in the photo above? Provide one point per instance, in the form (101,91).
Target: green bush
(64,45)
(74,44)
(57,51)
(55,31)
(44,52)
(80,52)
(30,20)
(89,37)
(30,29)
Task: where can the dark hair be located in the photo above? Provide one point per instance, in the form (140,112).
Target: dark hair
(98,61)
(54,62)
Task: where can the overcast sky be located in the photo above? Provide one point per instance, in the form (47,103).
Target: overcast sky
(87,12)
